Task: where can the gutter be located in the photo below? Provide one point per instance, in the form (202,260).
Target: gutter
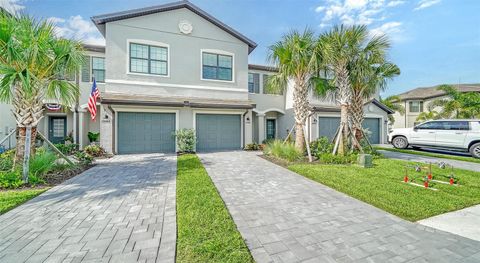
(178,104)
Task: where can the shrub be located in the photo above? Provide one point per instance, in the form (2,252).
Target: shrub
(328,158)
(11,179)
(42,163)
(186,140)
(67,149)
(252,147)
(286,151)
(94,150)
(320,146)
(6,160)
(93,136)
(84,158)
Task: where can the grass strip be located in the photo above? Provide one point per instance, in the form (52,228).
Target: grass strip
(429,154)
(382,186)
(206,231)
(13,198)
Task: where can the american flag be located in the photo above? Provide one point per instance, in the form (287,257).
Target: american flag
(92,100)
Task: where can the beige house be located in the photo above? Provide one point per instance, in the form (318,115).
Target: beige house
(418,100)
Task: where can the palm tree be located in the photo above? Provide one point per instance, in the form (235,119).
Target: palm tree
(392,102)
(31,60)
(457,104)
(295,57)
(426,116)
(339,47)
(369,72)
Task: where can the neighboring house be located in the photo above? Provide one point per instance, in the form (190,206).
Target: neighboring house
(418,100)
(174,66)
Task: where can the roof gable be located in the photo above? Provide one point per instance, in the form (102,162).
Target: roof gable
(101,20)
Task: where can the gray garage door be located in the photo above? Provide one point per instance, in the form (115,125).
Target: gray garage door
(328,127)
(217,132)
(146,132)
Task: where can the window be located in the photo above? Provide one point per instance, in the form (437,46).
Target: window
(456,125)
(253,82)
(433,125)
(266,89)
(98,69)
(216,66)
(415,106)
(148,59)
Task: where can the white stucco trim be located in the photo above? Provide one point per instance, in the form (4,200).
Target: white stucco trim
(269,110)
(151,43)
(145,110)
(172,85)
(226,112)
(219,52)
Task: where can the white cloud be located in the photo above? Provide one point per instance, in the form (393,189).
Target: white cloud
(388,28)
(78,28)
(12,6)
(355,11)
(422,4)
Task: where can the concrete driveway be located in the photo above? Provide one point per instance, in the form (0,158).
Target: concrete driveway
(285,217)
(122,210)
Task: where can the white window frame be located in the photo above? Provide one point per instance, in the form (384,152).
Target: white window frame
(90,61)
(217,52)
(420,106)
(104,69)
(150,43)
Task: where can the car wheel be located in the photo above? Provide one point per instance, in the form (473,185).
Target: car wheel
(400,142)
(475,150)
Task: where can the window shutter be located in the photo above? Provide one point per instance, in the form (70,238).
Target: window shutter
(256,83)
(86,70)
(265,81)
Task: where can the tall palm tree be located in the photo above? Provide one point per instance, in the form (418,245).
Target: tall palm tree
(392,102)
(31,60)
(295,57)
(457,104)
(369,72)
(339,47)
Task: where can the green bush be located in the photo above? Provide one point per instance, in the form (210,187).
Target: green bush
(328,158)
(6,160)
(94,150)
(252,147)
(321,146)
(42,163)
(11,179)
(186,140)
(84,158)
(93,136)
(286,151)
(67,149)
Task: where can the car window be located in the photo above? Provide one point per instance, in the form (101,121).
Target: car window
(434,125)
(456,125)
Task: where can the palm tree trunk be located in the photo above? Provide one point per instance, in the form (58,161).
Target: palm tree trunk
(345,94)
(356,113)
(300,108)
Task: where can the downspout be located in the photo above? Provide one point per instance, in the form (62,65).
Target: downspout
(77,121)
(113,129)
(405,113)
(243,120)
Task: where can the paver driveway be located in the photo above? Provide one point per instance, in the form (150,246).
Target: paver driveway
(122,210)
(285,217)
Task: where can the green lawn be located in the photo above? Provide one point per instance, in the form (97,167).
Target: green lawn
(206,231)
(429,154)
(382,186)
(13,198)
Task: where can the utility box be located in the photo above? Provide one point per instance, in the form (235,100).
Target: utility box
(365,160)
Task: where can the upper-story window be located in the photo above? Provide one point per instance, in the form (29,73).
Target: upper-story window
(217,66)
(98,69)
(415,106)
(253,82)
(148,59)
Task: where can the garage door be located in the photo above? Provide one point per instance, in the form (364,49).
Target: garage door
(140,132)
(328,127)
(217,132)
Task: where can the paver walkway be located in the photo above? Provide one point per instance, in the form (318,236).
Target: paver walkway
(426,159)
(285,217)
(122,210)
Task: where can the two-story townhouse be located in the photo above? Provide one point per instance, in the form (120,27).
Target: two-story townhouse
(418,100)
(174,66)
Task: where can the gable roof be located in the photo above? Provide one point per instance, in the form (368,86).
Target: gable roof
(336,108)
(100,20)
(433,92)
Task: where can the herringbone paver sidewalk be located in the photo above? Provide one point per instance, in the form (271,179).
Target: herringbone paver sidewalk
(122,210)
(285,217)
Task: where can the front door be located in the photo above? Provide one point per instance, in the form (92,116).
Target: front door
(271,128)
(57,129)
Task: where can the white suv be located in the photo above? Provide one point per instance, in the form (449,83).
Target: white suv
(456,135)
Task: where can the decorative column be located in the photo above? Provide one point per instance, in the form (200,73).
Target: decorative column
(261,127)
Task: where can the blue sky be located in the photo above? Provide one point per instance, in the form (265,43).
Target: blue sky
(433,41)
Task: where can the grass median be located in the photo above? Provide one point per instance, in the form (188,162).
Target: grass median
(206,231)
(382,186)
(10,199)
